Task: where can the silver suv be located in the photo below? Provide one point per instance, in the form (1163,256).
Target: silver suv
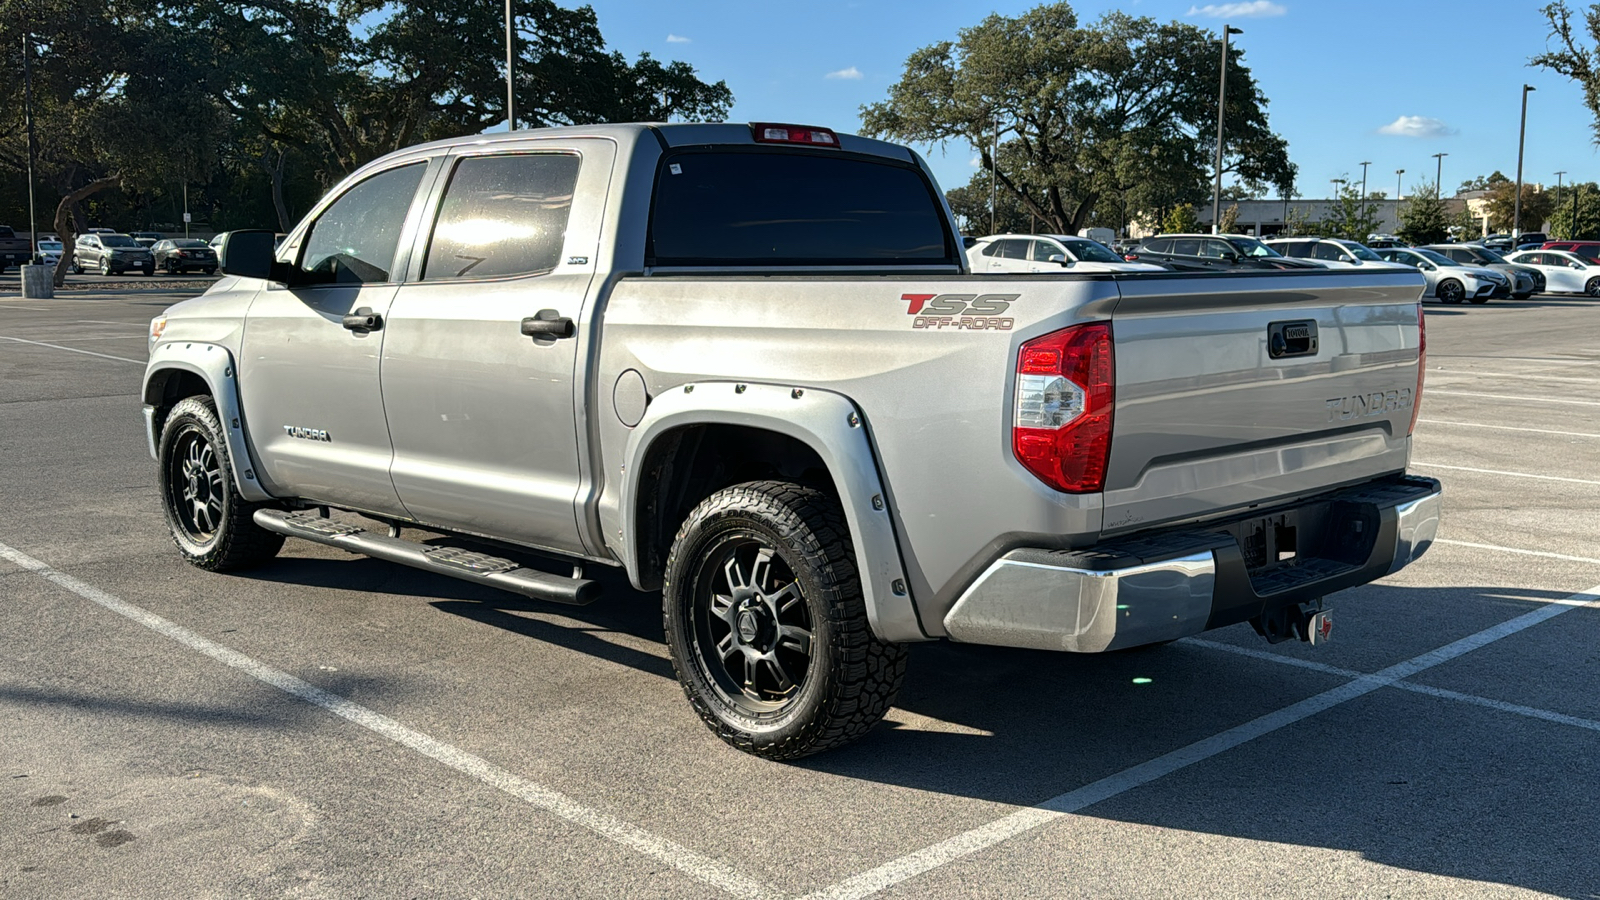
(111,254)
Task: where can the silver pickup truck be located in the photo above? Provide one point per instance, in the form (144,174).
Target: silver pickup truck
(748,365)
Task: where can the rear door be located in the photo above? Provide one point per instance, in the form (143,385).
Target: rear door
(1240,390)
(483,415)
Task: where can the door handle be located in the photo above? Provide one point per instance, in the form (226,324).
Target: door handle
(363,319)
(548,323)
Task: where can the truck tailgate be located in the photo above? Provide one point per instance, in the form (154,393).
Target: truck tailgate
(1239,391)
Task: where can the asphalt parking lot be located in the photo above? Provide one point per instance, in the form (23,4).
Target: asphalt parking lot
(331,726)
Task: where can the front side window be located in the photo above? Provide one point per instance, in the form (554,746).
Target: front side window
(502,216)
(354,240)
(766,207)
(1091,251)
(1329,251)
(1043,250)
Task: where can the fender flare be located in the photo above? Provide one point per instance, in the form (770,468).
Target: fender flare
(832,426)
(214,364)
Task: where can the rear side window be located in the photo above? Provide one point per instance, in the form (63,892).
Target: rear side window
(1159,245)
(1186,247)
(502,215)
(354,240)
(727,207)
(991,249)
(1013,250)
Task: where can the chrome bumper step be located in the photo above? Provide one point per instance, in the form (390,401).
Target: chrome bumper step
(467,565)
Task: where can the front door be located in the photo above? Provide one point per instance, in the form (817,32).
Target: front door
(480,357)
(308,367)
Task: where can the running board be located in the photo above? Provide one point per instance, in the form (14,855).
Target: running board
(479,568)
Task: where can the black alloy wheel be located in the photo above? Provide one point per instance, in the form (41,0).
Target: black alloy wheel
(1450,291)
(1592,287)
(767,626)
(210,522)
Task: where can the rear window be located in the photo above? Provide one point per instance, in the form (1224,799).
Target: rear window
(733,208)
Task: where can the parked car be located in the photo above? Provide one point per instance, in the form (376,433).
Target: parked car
(1589,250)
(1195,252)
(612,374)
(1448,280)
(1046,253)
(111,254)
(1525,280)
(1334,253)
(1500,243)
(1564,272)
(50,252)
(145,238)
(14,251)
(1375,241)
(176,255)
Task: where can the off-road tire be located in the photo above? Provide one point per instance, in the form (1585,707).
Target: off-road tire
(235,541)
(851,677)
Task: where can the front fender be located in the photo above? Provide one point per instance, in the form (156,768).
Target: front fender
(213,364)
(829,424)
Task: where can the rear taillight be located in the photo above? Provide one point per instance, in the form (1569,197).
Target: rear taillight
(773,133)
(1131,257)
(1061,427)
(1422,367)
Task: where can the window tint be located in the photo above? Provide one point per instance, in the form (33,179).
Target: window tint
(1186,247)
(1013,250)
(503,215)
(726,207)
(1216,250)
(354,240)
(1043,250)
(1459,255)
(1327,250)
(1159,245)
(991,249)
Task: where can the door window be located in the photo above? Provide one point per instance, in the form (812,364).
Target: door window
(992,248)
(1043,250)
(1328,250)
(354,240)
(1159,245)
(1013,250)
(1216,249)
(1186,247)
(503,215)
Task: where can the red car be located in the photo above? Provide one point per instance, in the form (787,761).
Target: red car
(1589,250)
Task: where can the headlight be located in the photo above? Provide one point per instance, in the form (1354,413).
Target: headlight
(158,325)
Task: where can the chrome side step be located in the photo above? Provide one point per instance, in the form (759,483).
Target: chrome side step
(479,568)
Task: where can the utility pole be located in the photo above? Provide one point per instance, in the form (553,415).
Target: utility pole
(511,95)
(1338,186)
(1222,106)
(1522,134)
(1397,191)
(994,170)
(1364,164)
(1558,187)
(1438,177)
(27,115)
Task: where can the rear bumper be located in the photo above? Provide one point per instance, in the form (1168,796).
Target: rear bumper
(1162,586)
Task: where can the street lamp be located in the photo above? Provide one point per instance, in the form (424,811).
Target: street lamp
(1516,207)
(1222,105)
(1438,177)
(1364,164)
(27,116)
(1558,187)
(1397,174)
(511,96)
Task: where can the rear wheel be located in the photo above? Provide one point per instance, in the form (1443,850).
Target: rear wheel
(211,524)
(767,626)
(1450,291)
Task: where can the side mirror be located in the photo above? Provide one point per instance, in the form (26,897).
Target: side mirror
(1426,267)
(248,254)
(1060,259)
(1577,265)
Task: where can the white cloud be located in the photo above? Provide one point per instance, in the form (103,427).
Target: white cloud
(1417,127)
(852,73)
(677,39)
(1252,9)
(975,162)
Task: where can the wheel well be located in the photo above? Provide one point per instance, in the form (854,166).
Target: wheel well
(687,465)
(169,386)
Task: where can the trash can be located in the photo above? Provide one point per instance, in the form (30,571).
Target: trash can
(38,282)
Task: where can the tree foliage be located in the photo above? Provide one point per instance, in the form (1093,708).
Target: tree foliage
(1230,220)
(1352,217)
(1124,108)
(1578,218)
(970,206)
(1180,220)
(1423,217)
(1537,205)
(1573,57)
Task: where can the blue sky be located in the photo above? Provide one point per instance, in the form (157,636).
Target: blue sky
(1446,74)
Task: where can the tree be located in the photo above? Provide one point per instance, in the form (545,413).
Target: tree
(1537,205)
(1423,217)
(970,205)
(1181,220)
(1483,182)
(1572,57)
(1297,222)
(1578,219)
(1351,217)
(1230,220)
(1120,109)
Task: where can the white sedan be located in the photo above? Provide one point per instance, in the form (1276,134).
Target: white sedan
(1564,273)
(1047,253)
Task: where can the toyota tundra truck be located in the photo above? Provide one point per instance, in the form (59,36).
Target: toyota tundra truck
(748,366)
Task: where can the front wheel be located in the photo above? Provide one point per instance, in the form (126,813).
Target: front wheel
(1592,287)
(1450,291)
(211,524)
(766,623)
(105,267)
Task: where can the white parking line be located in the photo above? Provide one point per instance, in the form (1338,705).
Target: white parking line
(1023,820)
(1531,712)
(1587,434)
(1446,373)
(1544,553)
(75,350)
(1430,465)
(701,868)
(1448,393)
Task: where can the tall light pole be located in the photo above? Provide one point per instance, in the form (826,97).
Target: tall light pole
(1397,191)
(1438,176)
(1364,164)
(27,115)
(1558,187)
(1222,106)
(511,95)
(1339,184)
(1522,133)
